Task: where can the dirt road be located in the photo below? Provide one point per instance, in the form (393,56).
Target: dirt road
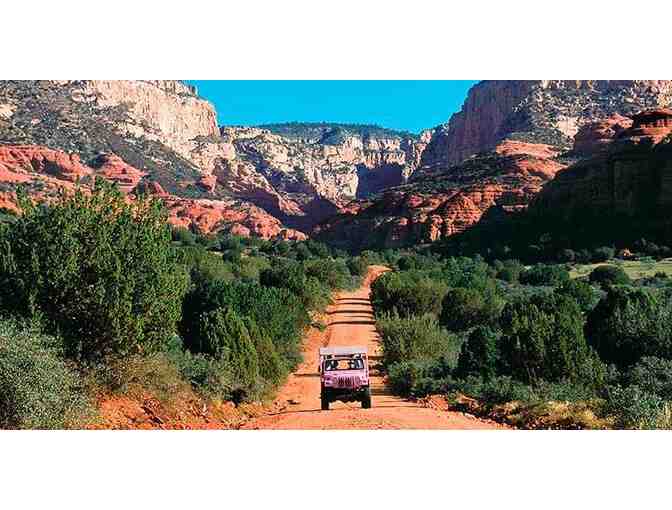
(351,322)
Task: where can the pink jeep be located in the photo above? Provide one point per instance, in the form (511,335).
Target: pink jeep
(344,376)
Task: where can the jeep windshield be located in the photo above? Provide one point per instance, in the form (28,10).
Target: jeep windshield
(332,365)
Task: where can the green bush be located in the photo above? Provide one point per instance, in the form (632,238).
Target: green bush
(479,354)
(37,388)
(603,254)
(99,270)
(581,292)
(210,377)
(403,377)
(280,314)
(183,236)
(652,375)
(334,273)
(285,274)
(140,374)
(509,271)
(416,337)
(609,275)
(465,308)
(407,293)
(630,323)
(634,408)
(542,274)
(222,333)
(358,266)
(542,338)
(203,265)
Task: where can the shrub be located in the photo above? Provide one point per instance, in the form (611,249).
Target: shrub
(542,338)
(334,273)
(285,274)
(358,266)
(140,374)
(652,375)
(209,376)
(510,271)
(37,388)
(609,275)
(603,254)
(98,269)
(630,323)
(405,377)
(407,293)
(464,308)
(479,354)
(634,408)
(542,274)
(280,314)
(567,255)
(581,292)
(183,236)
(418,337)
(202,265)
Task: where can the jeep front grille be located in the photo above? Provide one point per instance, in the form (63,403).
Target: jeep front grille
(346,382)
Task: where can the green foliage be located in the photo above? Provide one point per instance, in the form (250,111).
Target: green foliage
(581,292)
(139,374)
(183,236)
(416,337)
(285,274)
(479,354)
(37,388)
(509,270)
(543,339)
(279,313)
(544,274)
(609,275)
(203,265)
(210,377)
(333,272)
(603,254)
(653,375)
(97,269)
(465,308)
(634,408)
(358,266)
(222,333)
(407,293)
(630,323)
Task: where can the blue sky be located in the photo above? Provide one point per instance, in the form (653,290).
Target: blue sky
(404,105)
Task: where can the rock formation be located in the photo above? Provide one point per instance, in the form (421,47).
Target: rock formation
(162,132)
(540,111)
(633,177)
(439,204)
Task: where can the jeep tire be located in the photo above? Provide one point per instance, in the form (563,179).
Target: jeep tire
(325,403)
(366,399)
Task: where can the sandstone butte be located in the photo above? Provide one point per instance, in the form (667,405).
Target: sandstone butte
(632,175)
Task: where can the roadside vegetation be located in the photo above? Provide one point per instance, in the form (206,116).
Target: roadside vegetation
(536,346)
(100,297)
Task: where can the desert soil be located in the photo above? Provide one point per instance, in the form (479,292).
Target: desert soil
(350,322)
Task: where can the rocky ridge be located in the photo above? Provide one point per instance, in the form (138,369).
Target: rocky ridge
(162,132)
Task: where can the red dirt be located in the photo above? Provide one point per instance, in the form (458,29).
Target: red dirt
(351,322)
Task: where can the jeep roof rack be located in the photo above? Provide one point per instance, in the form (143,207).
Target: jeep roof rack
(341,351)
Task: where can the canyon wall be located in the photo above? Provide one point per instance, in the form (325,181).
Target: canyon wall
(539,111)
